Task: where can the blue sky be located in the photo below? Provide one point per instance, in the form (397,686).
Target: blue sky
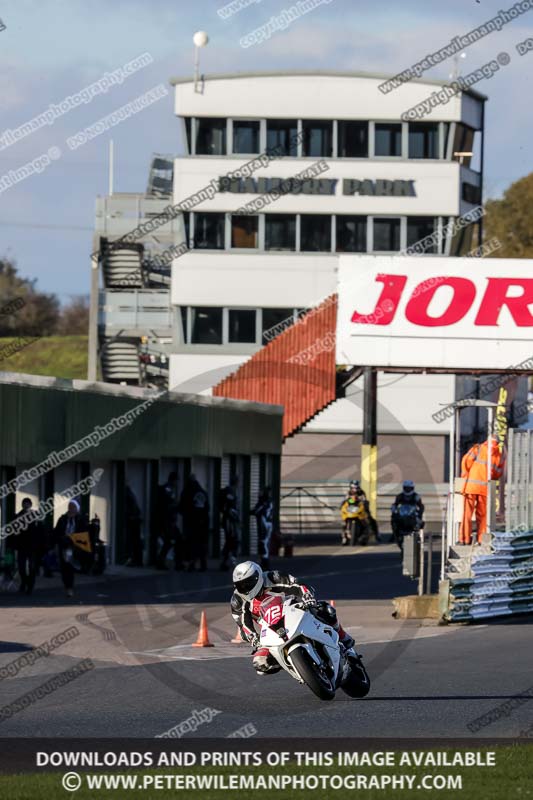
(51,49)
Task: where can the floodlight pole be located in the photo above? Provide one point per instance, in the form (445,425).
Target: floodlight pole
(92,362)
(369,460)
(111,167)
(200,39)
(452,468)
(196,68)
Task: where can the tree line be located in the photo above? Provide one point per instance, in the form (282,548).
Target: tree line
(26,311)
(511,221)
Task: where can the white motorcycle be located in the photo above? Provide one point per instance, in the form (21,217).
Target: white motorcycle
(310,650)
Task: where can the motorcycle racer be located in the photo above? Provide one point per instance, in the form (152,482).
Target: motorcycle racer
(357,493)
(252,586)
(407,513)
(353,512)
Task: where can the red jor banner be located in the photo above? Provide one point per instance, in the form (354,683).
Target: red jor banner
(435,312)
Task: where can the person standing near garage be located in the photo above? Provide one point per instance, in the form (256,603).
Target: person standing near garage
(168,528)
(229,507)
(30,546)
(71,522)
(194,509)
(263,511)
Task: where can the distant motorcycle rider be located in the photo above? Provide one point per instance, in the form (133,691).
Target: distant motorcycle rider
(355,489)
(407,512)
(252,586)
(355,525)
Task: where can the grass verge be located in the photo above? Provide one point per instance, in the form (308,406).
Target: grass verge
(56,356)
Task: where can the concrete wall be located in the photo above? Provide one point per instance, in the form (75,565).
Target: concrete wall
(436,185)
(313,95)
(321,457)
(253,279)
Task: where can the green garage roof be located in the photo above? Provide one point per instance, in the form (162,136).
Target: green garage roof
(41,415)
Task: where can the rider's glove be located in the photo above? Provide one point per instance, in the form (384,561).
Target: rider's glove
(308,600)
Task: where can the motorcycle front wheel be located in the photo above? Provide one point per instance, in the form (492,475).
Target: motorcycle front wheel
(319,683)
(354,533)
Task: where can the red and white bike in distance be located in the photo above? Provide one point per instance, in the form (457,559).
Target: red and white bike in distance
(309,649)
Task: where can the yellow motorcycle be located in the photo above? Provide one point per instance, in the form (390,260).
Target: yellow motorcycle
(355,529)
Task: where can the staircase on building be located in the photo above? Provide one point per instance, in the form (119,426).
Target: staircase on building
(296,369)
(119,361)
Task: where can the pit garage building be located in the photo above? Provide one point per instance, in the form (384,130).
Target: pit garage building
(210,436)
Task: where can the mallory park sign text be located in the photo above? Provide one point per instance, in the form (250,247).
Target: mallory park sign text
(350,186)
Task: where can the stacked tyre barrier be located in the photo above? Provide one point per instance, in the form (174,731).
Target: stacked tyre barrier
(501,582)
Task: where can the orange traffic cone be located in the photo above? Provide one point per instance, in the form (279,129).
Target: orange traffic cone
(332,603)
(203,635)
(237,638)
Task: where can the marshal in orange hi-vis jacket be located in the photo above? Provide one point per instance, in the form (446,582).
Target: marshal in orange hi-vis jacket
(474,471)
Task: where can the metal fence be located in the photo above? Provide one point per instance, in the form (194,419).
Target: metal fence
(519,489)
(500,582)
(310,509)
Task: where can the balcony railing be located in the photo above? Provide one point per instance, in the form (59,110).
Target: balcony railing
(135,312)
(119,214)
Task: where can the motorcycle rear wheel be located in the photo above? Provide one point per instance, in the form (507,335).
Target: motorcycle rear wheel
(308,670)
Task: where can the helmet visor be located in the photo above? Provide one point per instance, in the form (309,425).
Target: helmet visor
(247,584)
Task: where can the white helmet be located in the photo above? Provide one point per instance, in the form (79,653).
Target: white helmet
(248,579)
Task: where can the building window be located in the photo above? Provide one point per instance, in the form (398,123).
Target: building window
(275,321)
(423,140)
(280,232)
(418,228)
(315,233)
(446,128)
(210,136)
(206,325)
(317,138)
(245,136)
(187,226)
(463,144)
(388,140)
(282,134)
(353,139)
(241,326)
(183,310)
(351,234)
(387,235)
(209,230)
(244,231)
(472,194)
(462,241)
(188,134)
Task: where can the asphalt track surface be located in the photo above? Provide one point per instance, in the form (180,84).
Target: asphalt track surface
(428,680)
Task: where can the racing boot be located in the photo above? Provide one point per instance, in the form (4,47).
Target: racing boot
(264,663)
(346,640)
